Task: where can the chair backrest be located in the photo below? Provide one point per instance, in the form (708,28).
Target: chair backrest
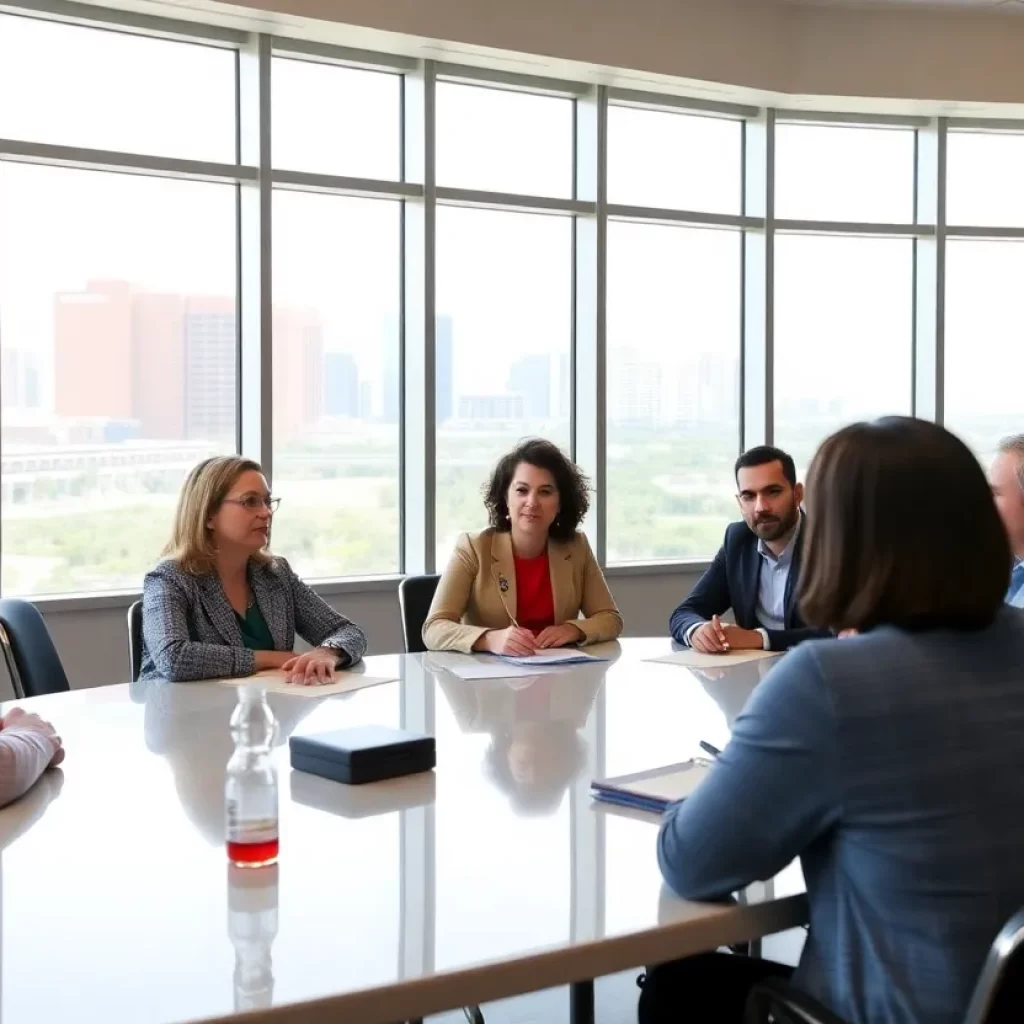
(414,596)
(135,640)
(999,993)
(32,660)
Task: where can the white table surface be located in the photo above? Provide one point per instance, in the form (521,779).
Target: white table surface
(492,876)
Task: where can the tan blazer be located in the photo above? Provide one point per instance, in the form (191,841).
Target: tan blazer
(478,592)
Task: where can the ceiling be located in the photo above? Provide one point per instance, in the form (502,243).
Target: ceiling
(1003,6)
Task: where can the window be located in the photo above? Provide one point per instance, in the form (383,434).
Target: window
(336,382)
(843,335)
(504,299)
(671,160)
(110,90)
(984,341)
(119,350)
(984,174)
(673,388)
(335,120)
(842,173)
(504,141)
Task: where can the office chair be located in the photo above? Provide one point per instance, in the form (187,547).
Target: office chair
(997,999)
(32,660)
(135,640)
(414,596)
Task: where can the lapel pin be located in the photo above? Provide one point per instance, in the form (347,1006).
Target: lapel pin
(503,584)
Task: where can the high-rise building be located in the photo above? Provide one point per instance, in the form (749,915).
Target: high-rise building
(635,393)
(93,351)
(211,370)
(341,385)
(158,372)
(490,408)
(298,372)
(530,377)
(19,380)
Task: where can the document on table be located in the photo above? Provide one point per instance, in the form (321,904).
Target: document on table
(556,657)
(695,659)
(652,790)
(276,681)
(487,666)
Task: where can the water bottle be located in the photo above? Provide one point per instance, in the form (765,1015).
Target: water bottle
(250,790)
(252,928)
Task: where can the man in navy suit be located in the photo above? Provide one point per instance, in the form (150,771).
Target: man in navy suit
(756,570)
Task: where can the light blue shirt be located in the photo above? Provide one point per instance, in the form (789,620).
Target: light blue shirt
(771,592)
(1015,595)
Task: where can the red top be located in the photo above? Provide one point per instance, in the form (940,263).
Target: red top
(535,604)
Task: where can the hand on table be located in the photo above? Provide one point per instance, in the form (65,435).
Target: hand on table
(559,636)
(717,637)
(314,668)
(18,718)
(514,640)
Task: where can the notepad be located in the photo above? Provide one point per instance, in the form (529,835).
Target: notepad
(695,659)
(550,658)
(652,790)
(276,681)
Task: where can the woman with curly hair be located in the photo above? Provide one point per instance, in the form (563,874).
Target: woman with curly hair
(529,581)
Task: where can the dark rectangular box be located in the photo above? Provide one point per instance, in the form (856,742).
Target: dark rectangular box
(364,754)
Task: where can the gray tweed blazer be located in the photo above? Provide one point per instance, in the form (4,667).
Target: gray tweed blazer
(190,631)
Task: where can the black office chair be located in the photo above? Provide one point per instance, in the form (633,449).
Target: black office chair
(997,999)
(135,640)
(32,661)
(414,596)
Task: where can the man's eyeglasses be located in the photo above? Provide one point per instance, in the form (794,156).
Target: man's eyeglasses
(254,503)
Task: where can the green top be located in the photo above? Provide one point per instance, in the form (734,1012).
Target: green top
(255,634)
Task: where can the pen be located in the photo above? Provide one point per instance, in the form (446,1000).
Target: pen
(708,748)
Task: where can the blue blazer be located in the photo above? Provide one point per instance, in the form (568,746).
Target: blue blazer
(190,631)
(733,581)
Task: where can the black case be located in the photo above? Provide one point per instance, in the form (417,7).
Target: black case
(365,754)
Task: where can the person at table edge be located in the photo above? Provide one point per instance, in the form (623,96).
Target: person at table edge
(529,581)
(891,763)
(221,605)
(1007,479)
(756,571)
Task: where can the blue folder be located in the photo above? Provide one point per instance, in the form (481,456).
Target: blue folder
(652,790)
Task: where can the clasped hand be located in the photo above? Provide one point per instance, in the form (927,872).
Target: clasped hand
(522,643)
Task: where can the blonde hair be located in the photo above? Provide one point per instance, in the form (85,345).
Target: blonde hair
(204,490)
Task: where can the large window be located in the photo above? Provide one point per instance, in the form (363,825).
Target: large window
(673,388)
(504,326)
(166,265)
(119,347)
(674,332)
(843,335)
(336,383)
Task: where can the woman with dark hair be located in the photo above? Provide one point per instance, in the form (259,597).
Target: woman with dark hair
(891,763)
(529,581)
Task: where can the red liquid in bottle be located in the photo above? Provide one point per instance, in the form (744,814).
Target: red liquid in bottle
(253,855)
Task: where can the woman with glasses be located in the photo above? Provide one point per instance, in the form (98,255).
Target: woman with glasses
(221,605)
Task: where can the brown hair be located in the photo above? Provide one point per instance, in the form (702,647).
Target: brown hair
(876,552)
(572,485)
(204,490)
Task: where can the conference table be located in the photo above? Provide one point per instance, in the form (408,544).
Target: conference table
(492,876)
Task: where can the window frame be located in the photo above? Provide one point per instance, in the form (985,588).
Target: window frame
(254,179)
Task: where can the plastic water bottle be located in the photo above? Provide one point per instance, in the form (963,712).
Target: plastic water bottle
(250,790)
(252,928)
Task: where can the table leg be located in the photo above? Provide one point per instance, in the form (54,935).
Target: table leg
(581,1002)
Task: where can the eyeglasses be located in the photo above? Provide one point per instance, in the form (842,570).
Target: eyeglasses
(253,503)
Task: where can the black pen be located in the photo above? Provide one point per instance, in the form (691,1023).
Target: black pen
(709,749)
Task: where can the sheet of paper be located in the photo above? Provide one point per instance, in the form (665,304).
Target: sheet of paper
(551,658)
(486,666)
(694,659)
(674,785)
(277,682)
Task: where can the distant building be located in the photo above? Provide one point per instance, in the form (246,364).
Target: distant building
(530,378)
(342,396)
(490,408)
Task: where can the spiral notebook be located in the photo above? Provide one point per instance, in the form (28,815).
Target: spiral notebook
(652,790)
